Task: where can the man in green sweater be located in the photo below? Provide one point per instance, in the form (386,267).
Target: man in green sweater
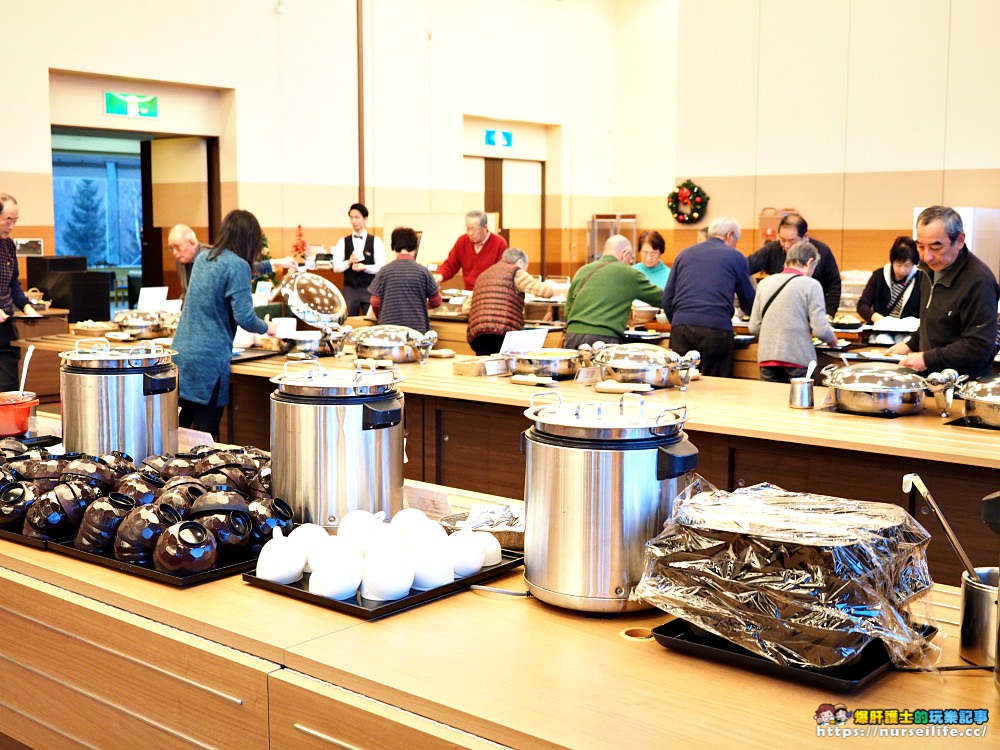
(600,297)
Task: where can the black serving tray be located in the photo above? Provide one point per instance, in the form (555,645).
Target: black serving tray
(873,660)
(228,567)
(369,609)
(17,536)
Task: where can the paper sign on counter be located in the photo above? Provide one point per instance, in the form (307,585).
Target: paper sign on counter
(433,502)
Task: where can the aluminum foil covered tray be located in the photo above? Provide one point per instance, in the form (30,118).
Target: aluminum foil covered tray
(803,580)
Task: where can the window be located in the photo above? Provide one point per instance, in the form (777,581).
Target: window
(98,207)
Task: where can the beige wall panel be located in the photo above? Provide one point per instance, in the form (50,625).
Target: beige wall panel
(868,249)
(522,194)
(802,86)
(646,77)
(898,78)
(582,210)
(33,193)
(522,211)
(179,160)
(529,240)
(180,203)
(717,57)
(317,205)
(732,196)
(78,100)
(877,200)
(967,187)
(651,209)
(529,140)
(818,197)
(973,108)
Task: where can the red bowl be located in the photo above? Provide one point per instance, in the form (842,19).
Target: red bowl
(15,411)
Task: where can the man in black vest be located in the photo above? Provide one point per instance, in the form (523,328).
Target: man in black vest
(358,256)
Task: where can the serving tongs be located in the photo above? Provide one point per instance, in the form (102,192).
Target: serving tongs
(913,481)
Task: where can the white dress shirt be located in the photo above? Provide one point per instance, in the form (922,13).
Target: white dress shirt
(342,257)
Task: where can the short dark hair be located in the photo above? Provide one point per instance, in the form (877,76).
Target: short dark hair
(903,249)
(403,238)
(654,239)
(948,216)
(796,222)
(360,208)
(241,234)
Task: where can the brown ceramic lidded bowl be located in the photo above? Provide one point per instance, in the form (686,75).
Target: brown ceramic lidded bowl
(15,499)
(141,486)
(90,470)
(120,462)
(100,523)
(138,533)
(181,497)
(156,463)
(268,514)
(185,548)
(57,512)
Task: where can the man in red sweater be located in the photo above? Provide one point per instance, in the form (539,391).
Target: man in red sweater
(474,251)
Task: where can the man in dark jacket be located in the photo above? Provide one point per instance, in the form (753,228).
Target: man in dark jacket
(771,258)
(958,294)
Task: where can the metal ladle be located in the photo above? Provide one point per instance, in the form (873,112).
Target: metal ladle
(911,481)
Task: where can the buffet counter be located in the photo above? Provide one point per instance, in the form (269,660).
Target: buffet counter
(225,664)
(465,432)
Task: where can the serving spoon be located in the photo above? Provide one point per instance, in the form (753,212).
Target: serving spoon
(24,367)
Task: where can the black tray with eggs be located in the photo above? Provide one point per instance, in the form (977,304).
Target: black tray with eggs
(231,565)
(370,609)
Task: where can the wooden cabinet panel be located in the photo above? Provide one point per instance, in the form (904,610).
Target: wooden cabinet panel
(308,713)
(82,672)
(413,434)
(248,416)
(474,446)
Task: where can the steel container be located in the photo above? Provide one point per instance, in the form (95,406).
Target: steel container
(337,443)
(982,401)
(599,483)
(876,388)
(647,363)
(978,636)
(119,399)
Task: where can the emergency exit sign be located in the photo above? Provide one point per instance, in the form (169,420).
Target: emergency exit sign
(130,105)
(502,138)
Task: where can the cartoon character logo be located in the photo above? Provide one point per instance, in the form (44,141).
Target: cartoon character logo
(841,714)
(824,715)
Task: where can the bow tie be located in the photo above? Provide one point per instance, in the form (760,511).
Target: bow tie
(358,237)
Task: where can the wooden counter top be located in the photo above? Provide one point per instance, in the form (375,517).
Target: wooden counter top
(726,406)
(512,669)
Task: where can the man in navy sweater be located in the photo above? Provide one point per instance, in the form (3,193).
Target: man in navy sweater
(698,298)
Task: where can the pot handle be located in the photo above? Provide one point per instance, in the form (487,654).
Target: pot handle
(96,345)
(676,459)
(828,370)
(640,402)
(308,365)
(379,414)
(155,383)
(542,394)
(680,412)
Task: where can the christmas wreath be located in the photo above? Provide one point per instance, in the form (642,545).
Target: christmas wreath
(687,203)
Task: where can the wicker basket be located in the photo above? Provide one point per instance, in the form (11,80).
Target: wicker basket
(509,539)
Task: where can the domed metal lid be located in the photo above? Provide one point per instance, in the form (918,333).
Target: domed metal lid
(629,419)
(387,335)
(875,376)
(318,382)
(314,300)
(982,389)
(99,354)
(637,355)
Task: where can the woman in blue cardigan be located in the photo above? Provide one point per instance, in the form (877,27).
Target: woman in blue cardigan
(217,301)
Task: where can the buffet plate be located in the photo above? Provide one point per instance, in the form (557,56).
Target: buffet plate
(370,609)
(17,536)
(679,635)
(230,566)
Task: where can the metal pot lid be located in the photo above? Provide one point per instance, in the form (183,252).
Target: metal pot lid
(388,335)
(98,354)
(317,382)
(137,318)
(314,300)
(875,376)
(983,389)
(549,354)
(629,419)
(637,355)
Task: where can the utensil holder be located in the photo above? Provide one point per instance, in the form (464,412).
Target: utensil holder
(800,395)
(978,637)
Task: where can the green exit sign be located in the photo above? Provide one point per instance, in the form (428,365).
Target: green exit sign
(130,105)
